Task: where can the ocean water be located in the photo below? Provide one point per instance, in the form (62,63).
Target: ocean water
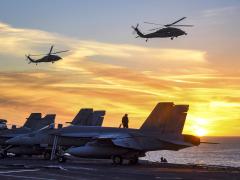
(227,153)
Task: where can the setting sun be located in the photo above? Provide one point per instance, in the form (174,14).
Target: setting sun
(200,132)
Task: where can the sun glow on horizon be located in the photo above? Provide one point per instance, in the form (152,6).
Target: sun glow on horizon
(200,132)
(199,126)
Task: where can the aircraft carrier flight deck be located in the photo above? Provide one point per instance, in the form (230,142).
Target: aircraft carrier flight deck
(36,168)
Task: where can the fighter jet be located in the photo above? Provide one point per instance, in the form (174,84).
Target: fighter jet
(33,122)
(162,130)
(50,144)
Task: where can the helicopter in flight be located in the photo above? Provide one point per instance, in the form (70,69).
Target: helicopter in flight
(50,57)
(166,31)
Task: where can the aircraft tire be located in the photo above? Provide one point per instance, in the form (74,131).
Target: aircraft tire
(62,159)
(117,160)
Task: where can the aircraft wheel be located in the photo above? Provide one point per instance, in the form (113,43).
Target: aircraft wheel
(118,160)
(47,155)
(62,159)
(133,161)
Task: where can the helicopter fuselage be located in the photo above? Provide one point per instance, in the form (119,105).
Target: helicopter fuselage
(49,58)
(166,33)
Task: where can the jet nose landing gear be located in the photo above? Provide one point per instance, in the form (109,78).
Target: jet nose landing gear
(117,160)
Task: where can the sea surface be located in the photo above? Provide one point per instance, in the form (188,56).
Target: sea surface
(226,153)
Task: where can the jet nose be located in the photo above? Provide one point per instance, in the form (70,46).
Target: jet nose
(71,151)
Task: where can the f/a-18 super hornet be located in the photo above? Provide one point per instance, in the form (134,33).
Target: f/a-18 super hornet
(33,122)
(167,31)
(50,57)
(46,140)
(162,130)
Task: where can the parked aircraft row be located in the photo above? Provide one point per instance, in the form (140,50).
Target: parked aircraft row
(36,124)
(85,137)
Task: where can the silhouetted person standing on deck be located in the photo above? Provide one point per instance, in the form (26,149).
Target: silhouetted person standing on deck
(125,121)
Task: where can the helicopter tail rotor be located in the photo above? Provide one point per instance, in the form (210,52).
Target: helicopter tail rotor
(139,33)
(27,59)
(135,29)
(30,60)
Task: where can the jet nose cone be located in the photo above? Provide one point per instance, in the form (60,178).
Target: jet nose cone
(71,151)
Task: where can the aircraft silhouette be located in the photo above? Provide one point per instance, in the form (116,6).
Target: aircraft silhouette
(162,130)
(50,57)
(168,30)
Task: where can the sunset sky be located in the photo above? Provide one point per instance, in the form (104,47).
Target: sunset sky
(108,68)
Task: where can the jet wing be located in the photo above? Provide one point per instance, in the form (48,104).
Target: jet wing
(8,135)
(138,141)
(76,135)
(125,140)
(113,136)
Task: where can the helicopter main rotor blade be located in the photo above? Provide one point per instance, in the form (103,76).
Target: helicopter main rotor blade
(51,49)
(182,25)
(60,52)
(153,23)
(38,54)
(154,29)
(176,21)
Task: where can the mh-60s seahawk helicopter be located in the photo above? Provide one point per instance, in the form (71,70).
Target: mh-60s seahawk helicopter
(168,30)
(50,57)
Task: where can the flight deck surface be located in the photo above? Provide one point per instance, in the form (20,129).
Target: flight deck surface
(35,168)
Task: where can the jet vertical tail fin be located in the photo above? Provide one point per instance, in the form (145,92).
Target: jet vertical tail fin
(97,118)
(88,117)
(166,118)
(32,120)
(47,120)
(82,117)
(158,117)
(177,119)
